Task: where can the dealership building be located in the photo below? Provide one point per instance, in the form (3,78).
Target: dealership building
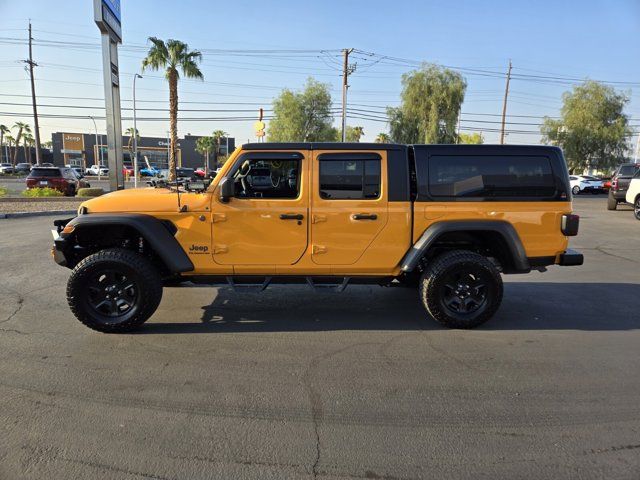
(82,150)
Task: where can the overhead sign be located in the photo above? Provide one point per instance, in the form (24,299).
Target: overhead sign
(108,18)
(114,6)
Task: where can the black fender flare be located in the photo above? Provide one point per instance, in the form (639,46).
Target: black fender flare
(152,229)
(431,234)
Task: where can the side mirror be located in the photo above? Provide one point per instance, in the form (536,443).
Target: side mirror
(227,189)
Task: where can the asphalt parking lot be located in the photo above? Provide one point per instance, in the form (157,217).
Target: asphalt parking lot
(292,383)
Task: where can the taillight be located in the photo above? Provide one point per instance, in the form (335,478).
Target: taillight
(614,183)
(569,225)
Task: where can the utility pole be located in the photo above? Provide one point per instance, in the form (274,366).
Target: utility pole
(637,155)
(504,105)
(458,129)
(32,64)
(135,134)
(346,71)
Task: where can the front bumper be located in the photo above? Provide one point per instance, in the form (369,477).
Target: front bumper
(571,258)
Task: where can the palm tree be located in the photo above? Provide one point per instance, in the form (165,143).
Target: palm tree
(131,132)
(3,131)
(205,145)
(22,127)
(27,142)
(383,138)
(218,135)
(171,56)
(357,133)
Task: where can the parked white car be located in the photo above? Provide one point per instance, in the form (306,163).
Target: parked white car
(633,194)
(97,170)
(6,168)
(585,183)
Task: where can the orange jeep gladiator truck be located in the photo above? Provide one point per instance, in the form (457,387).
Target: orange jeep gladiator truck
(448,220)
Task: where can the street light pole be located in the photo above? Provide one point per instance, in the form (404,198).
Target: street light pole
(95,157)
(135,135)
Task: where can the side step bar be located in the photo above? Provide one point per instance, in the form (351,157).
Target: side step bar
(260,283)
(260,287)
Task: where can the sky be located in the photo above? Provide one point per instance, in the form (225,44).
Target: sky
(254,49)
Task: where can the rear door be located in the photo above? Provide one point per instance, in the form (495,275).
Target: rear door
(266,223)
(349,204)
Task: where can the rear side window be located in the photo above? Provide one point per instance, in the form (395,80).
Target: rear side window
(490,176)
(45,172)
(354,178)
(627,170)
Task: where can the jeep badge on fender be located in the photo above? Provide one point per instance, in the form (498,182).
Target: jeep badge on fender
(449,220)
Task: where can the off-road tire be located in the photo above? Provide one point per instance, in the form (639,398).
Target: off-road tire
(135,268)
(612,203)
(439,272)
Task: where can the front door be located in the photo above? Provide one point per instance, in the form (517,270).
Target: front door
(349,204)
(265,223)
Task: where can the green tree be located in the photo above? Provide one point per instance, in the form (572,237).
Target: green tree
(173,55)
(474,138)
(431,99)
(383,138)
(354,134)
(304,116)
(4,130)
(205,146)
(403,129)
(592,129)
(22,128)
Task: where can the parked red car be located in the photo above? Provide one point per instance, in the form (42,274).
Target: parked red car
(64,180)
(200,172)
(127,169)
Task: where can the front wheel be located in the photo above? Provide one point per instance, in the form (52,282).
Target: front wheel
(461,289)
(636,208)
(114,290)
(575,190)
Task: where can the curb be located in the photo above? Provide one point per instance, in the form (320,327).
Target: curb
(36,214)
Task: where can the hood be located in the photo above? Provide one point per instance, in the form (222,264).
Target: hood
(142,200)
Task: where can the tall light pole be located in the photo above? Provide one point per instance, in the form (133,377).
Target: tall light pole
(135,135)
(95,157)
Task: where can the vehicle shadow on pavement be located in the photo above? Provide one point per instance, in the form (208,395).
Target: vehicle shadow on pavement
(526,306)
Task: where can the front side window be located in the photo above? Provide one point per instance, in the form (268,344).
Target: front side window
(349,178)
(490,176)
(267,178)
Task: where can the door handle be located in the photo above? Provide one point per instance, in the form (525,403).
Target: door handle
(291,216)
(364,216)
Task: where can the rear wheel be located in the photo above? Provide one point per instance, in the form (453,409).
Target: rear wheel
(612,203)
(114,290)
(461,289)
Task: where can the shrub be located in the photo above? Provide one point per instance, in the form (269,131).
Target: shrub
(90,192)
(41,192)
(3,191)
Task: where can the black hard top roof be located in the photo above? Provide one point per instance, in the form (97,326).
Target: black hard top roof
(484,149)
(321,146)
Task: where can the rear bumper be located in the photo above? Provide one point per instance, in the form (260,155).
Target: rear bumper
(619,194)
(571,258)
